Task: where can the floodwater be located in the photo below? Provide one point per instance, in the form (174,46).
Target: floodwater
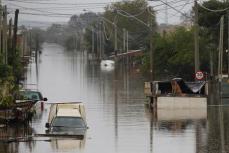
(118,119)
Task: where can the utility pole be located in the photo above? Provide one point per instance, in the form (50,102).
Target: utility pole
(36,47)
(127,47)
(15,32)
(1,10)
(97,43)
(100,44)
(220,58)
(196,38)
(211,64)
(93,42)
(4,34)
(166,13)
(151,46)
(10,34)
(9,39)
(124,39)
(228,44)
(116,41)
(103,45)
(127,42)
(30,42)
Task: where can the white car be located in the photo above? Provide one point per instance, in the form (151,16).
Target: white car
(67,118)
(107,65)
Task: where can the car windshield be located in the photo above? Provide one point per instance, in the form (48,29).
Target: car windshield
(75,122)
(31,95)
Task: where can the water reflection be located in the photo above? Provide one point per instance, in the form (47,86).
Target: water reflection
(67,145)
(117,117)
(12,135)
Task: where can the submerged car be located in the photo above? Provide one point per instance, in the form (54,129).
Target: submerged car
(33,96)
(67,119)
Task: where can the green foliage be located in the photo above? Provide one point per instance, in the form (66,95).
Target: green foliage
(70,43)
(119,14)
(209,22)
(7,85)
(5,71)
(174,53)
(16,65)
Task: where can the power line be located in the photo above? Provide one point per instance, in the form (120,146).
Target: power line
(182,7)
(211,10)
(62,4)
(175,9)
(176,6)
(171,2)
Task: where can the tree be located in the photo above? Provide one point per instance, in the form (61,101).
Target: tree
(209,21)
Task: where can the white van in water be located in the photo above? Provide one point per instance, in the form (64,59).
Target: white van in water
(67,118)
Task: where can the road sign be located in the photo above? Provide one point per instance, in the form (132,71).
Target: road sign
(199,75)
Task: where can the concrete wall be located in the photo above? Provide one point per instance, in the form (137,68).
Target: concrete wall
(181,102)
(181,114)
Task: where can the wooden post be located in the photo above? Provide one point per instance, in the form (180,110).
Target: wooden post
(100,41)
(228,44)
(14,45)
(36,47)
(93,42)
(97,43)
(151,48)
(220,58)
(196,38)
(211,64)
(115,38)
(30,43)
(124,40)
(1,10)
(127,46)
(9,44)
(10,34)
(4,34)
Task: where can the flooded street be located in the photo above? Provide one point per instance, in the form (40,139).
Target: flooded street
(118,119)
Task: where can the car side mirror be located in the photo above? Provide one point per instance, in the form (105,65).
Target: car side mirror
(47,125)
(45,99)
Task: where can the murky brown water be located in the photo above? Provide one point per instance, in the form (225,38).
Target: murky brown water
(118,120)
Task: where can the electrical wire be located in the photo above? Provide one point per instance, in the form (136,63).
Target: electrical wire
(183,14)
(104,31)
(171,2)
(62,4)
(211,10)
(182,7)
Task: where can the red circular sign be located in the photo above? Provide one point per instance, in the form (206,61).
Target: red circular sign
(199,75)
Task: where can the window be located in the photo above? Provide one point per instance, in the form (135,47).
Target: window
(75,122)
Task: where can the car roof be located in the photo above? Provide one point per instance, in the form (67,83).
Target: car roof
(68,113)
(68,110)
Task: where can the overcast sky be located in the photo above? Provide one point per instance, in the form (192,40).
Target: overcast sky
(61,10)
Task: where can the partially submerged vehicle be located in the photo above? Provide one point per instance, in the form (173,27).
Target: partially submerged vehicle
(107,65)
(33,96)
(177,93)
(16,111)
(67,119)
(23,108)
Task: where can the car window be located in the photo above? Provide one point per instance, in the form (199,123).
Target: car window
(75,122)
(31,95)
